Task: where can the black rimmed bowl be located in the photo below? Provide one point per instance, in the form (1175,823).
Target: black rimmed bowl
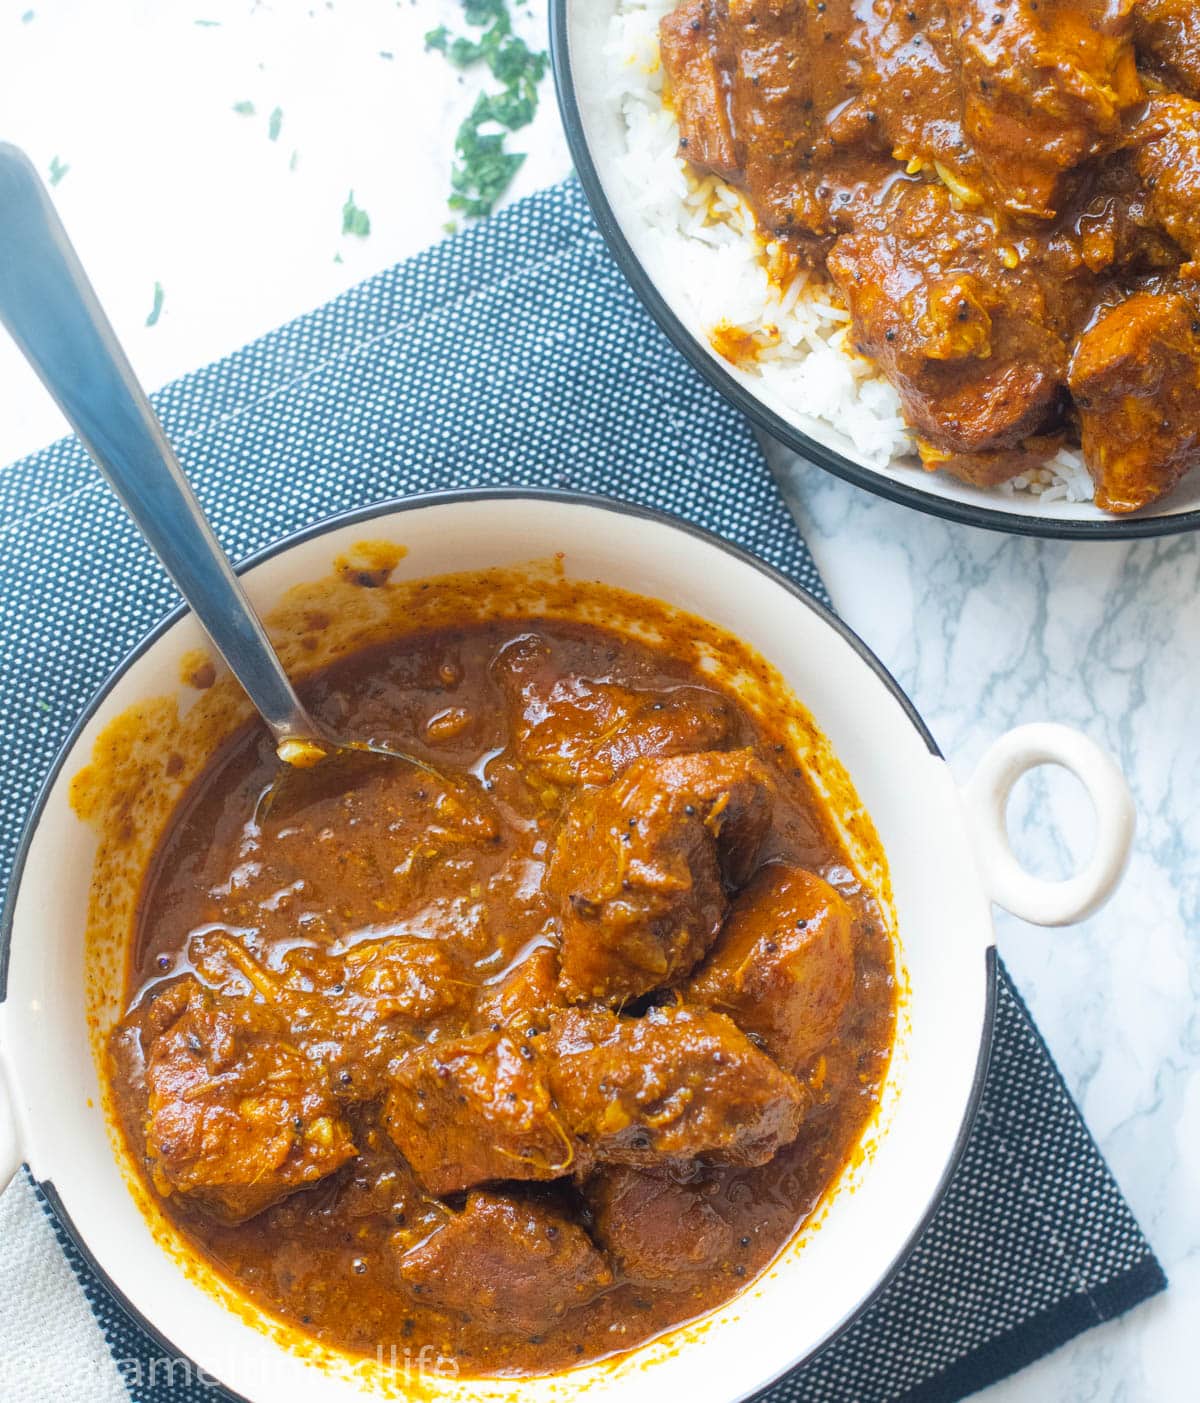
(947,856)
(654,263)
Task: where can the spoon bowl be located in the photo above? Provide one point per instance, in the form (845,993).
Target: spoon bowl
(316,769)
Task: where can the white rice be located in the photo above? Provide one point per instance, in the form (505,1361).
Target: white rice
(800,330)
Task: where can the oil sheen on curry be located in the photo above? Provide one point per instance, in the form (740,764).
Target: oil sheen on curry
(1005,192)
(525,1057)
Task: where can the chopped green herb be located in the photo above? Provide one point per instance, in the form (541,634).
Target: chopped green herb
(484,167)
(43,705)
(244,109)
(57,170)
(27,17)
(337,258)
(354,220)
(450,226)
(294,161)
(207,23)
(481,11)
(275,125)
(156,310)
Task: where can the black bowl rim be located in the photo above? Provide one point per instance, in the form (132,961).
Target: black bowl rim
(389,506)
(967,514)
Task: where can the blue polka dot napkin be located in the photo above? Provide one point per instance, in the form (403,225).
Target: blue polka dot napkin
(515,354)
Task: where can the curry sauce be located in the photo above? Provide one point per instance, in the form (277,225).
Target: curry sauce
(525,1054)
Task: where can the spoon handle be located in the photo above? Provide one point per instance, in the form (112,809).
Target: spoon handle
(49,306)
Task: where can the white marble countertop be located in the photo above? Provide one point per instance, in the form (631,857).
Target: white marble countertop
(167,184)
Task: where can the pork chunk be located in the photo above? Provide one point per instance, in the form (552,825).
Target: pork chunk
(510,1264)
(783,966)
(1167,146)
(523,998)
(464,1111)
(973,345)
(237,1117)
(373,998)
(1136,381)
(639,869)
(679,1084)
(400,978)
(661,1230)
(1168,33)
(1116,227)
(993,466)
(688,42)
(1045,84)
(578,730)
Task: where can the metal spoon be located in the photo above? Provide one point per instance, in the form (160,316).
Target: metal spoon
(53,314)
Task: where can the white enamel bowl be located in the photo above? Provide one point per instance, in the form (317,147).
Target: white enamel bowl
(579,31)
(949,860)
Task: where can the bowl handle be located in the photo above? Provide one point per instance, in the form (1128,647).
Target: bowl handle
(10,1146)
(1048,903)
